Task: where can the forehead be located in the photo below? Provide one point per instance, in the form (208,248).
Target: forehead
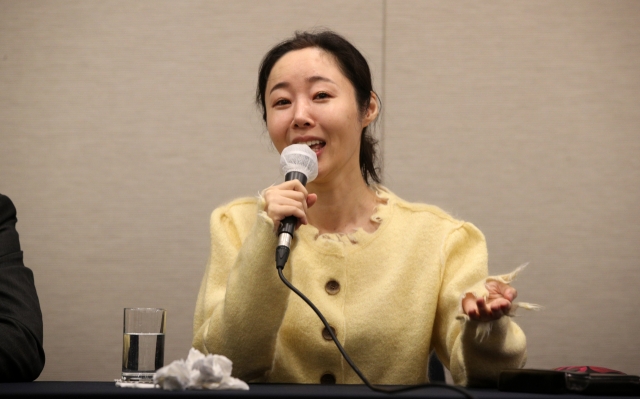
(302,64)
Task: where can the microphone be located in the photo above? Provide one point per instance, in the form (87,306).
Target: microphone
(297,161)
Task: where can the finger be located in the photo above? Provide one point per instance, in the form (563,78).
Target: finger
(499,307)
(499,289)
(294,185)
(308,202)
(503,305)
(281,207)
(277,212)
(490,311)
(509,293)
(484,311)
(277,198)
(274,195)
(496,309)
(469,307)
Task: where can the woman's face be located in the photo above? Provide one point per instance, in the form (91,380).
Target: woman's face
(309,101)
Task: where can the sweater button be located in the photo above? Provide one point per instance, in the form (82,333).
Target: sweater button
(328,379)
(332,287)
(326,334)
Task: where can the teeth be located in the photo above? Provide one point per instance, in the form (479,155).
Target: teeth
(313,142)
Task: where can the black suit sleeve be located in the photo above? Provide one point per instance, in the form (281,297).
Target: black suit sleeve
(21,353)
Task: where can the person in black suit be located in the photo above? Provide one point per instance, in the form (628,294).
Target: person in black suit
(21,353)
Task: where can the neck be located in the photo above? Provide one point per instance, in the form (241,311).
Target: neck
(343,205)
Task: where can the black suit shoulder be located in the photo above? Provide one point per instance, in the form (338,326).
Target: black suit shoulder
(21,336)
(9,238)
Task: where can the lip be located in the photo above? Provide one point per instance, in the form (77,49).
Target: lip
(304,139)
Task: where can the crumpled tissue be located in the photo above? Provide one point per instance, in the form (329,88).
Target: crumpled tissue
(198,372)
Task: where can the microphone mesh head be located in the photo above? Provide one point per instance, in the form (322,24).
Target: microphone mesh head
(299,158)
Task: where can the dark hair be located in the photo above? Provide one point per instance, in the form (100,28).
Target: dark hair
(352,65)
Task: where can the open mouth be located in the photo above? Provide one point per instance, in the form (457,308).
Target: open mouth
(315,145)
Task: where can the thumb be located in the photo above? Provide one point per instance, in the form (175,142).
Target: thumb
(311,199)
(508,292)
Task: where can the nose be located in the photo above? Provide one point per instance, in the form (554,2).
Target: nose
(302,115)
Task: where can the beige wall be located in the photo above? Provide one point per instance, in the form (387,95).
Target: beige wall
(124,124)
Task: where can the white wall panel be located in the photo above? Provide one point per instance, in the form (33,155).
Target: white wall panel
(522,117)
(123,125)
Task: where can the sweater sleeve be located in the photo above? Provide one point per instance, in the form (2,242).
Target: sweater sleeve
(241,302)
(473,358)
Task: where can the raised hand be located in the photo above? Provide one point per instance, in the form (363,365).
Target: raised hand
(290,198)
(497,303)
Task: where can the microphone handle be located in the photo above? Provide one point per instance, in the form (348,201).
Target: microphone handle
(287,225)
(294,174)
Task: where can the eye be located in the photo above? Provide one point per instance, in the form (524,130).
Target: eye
(281,102)
(322,96)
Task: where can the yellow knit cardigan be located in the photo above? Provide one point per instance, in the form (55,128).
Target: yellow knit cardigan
(391,296)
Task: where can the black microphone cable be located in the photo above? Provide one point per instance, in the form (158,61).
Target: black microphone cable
(355,368)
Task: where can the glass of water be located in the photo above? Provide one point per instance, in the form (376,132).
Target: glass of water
(143,343)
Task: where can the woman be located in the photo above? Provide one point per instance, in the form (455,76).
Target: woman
(394,279)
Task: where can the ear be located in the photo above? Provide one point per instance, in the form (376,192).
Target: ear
(372,110)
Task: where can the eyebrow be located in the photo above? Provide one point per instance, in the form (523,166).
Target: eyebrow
(311,79)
